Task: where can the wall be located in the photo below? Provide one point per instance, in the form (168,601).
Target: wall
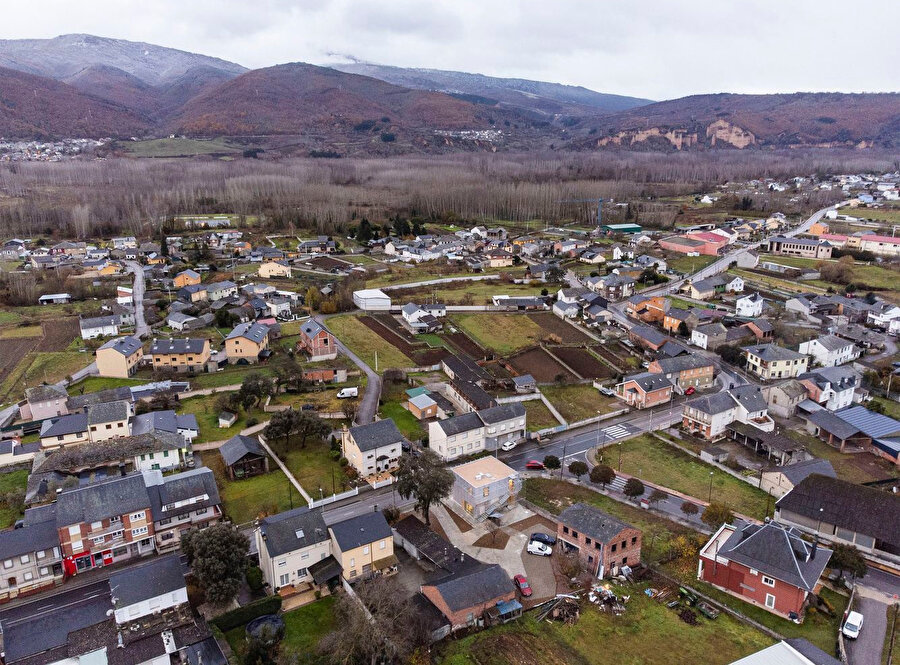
(151,605)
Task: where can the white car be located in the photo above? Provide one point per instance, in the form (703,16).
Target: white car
(852,625)
(539,548)
(509,445)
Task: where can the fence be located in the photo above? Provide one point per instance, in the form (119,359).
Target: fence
(315,503)
(518,398)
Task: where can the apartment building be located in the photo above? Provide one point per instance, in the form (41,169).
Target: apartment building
(180,355)
(30,555)
(645,390)
(248,343)
(120,357)
(373,448)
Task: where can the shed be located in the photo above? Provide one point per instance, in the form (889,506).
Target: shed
(244,457)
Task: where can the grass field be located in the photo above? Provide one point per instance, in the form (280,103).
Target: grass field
(176,147)
(688,264)
(855,468)
(650,459)
(406,422)
(21,331)
(41,367)
(9,482)
(204,409)
(228,376)
(94,383)
(365,343)
(776,283)
(538,416)
(7,317)
(304,628)
(504,333)
(891,408)
(245,500)
(314,468)
(578,402)
(877,276)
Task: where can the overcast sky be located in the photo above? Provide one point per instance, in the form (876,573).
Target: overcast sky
(658,49)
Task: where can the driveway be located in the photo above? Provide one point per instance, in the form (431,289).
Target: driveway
(368,405)
(140,324)
(866,649)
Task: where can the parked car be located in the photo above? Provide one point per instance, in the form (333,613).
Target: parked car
(522,582)
(690,390)
(852,625)
(534,464)
(344,393)
(507,446)
(545,538)
(540,549)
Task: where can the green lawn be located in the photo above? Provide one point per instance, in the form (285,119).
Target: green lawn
(204,409)
(891,408)
(406,422)
(313,467)
(650,459)
(481,292)
(854,468)
(176,147)
(538,416)
(776,283)
(229,376)
(250,498)
(9,482)
(16,332)
(94,383)
(304,628)
(365,343)
(41,367)
(7,317)
(504,333)
(581,401)
(688,264)
(648,633)
(681,304)
(877,276)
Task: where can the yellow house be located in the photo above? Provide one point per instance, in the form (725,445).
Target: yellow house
(363,546)
(109,420)
(186,278)
(120,357)
(156,260)
(271,269)
(770,361)
(246,343)
(180,355)
(110,268)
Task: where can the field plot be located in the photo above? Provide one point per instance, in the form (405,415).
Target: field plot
(503,333)
(540,365)
(553,325)
(365,342)
(462,342)
(419,352)
(58,334)
(538,416)
(579,402)
(583,362)
(328,263)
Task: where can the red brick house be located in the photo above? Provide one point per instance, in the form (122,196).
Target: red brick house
(767,565)
(601,541)
(317,342)
(648,309)
(466,595)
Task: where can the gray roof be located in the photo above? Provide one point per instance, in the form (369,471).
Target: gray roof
(107,412)
(833,343)
(524,380)
(777,551)
(97,322)
(179,345)
(311,328)
(92,503)
(255,332)
(148,580)
(772,352)
(811,652)
(41,535)
(858,508)
(180,317)
(238,447)
(871,424)
(474,587)
(293,530)
(165,491)
(79,402)
(465,422)
(104,453)
(163,421)
(592,522)
(711,329)
(838,377)
(650,335)
(45,393)
(124,345)
(712,404)
(498,414)
(799,470)
(750,397)
(682,363)
(649,381)
(360,530)
(70,424)
(376,435)
(833,424)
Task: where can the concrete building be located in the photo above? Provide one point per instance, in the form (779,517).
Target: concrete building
(99,326)
(769,361)
(363,546)
(811,249)
(372,300)
(248,343)
(120,357)
(645,390)
(830,350)
(180,355)
(603,543)
(484,487)
(373,448)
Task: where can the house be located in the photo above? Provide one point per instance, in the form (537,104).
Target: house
(784,398)
(65,430)
(647,261)
(524,383)
(180,502)
(498,258)
(186,278)
(675,317)
(295,549)
(120,357)
(796,651)
(373,448)
(644,390)
(685,245)
(831,387)
(709,416)
(193,293)
(270,269)
(181,321)
(372,300)
(465,596)
(768,565)
(839,511)
(860,427)
(811,249)
(830,351)
(769,361)
(709,336)
(317,341)
(649,309)
(30,554)
(457,436)
(108,420)
(779,480)
(185,425)
(685,371)
(603,543)
(363,546)
(704,289)
(248,343)
(422,407)
(219,290)
(566,310)
(484,487)
(503,424)
(762,329)
(419,319)
(44,402)
(320,245)
(647,337)
(882,314)
(180,355)
(615,287)
(244,457)
(99,326)
(749,305)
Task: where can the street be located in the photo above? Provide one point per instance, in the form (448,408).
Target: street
(875,592)
(140,324)
(368,405)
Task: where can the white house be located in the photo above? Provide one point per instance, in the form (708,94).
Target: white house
(882,314)
(147,589)
(830,350)
(832,387)
(289,544)
(749,306)
(99,326)
(456,436)
(418,318)
(372,300)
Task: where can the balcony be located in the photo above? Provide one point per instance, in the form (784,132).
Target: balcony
(763,423)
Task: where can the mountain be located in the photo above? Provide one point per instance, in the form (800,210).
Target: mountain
(535,96)
(65,56)
(751,121)
(40,108)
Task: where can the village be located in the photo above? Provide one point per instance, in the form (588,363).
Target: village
(600,429)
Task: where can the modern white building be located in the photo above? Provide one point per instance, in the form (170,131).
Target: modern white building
(749,306)
(830,350)
(372,300)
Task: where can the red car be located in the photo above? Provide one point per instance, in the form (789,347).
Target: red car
(522,582)
(534,464)
(690,390)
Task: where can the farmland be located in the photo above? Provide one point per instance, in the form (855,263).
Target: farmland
(541,365)
(578,402)
(502,333)
(583,362)
(553,325)
(366,343)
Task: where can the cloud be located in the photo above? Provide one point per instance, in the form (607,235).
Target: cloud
(648,48)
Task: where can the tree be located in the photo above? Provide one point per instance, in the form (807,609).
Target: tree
(602,474)
(578,468)
(349,407)
(847,558)
(689,508)
(552,462)
(656,496)
(254,390)
(683,329)
(290,423)
(633,488)
(424,477)
(225,319)
(218,558)
(716,514)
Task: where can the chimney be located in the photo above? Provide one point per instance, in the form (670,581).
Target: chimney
(815,548)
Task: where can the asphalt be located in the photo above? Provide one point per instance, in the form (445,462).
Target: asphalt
(875,592)
(140,328)
(368,405)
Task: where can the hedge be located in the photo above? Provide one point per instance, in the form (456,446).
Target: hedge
(244,615)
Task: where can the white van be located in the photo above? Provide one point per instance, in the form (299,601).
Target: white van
(344,393)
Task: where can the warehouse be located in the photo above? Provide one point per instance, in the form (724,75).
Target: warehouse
(372,300)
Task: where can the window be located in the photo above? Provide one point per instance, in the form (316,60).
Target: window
(109,426)
(753,571)
(135,517)
(44,571)
(486,491)
(768,581)
(24,559)
(613,548)
(634,540)
(99,540)
(140,531)
(283,579)
(353,573)
(624,560)
(587,541)
(282,564)
(41,554)
(115,520)
(166,521)
(770,600)
(8,563)
(301,572)
(565,529)
(382,545)
(366,549)
(28,577)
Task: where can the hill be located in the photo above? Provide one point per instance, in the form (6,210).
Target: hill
(752,121)
(536,96)
(40,108)
(65,56)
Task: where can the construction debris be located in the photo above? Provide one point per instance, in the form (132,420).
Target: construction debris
(607,601)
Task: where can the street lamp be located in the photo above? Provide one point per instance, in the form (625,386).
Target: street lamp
(620,455)
(710,487)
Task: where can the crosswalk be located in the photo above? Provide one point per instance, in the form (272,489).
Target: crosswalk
(619,431)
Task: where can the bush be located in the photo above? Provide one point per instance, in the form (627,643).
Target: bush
(343,461)
(552,462)
(254,578)
(335,454)
(251,421)
(388,137)
(244,615)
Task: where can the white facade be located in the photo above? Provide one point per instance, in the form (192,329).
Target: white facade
(829,357)
(107,330)
(151,605)
(372,300)
(456,445)
(750,306)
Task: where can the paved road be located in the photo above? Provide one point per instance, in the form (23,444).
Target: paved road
(876,592)
(140,328)
(31,607)
(368,405)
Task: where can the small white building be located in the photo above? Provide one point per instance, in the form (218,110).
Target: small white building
(749,306)
(149,588)
(99,326)
(372,300)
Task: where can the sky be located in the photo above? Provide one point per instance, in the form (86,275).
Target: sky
(656,49)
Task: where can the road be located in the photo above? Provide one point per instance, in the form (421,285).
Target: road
(368,405)
(140,324)
(875,593)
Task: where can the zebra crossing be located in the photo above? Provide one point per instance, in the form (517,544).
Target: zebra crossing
(619,431)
